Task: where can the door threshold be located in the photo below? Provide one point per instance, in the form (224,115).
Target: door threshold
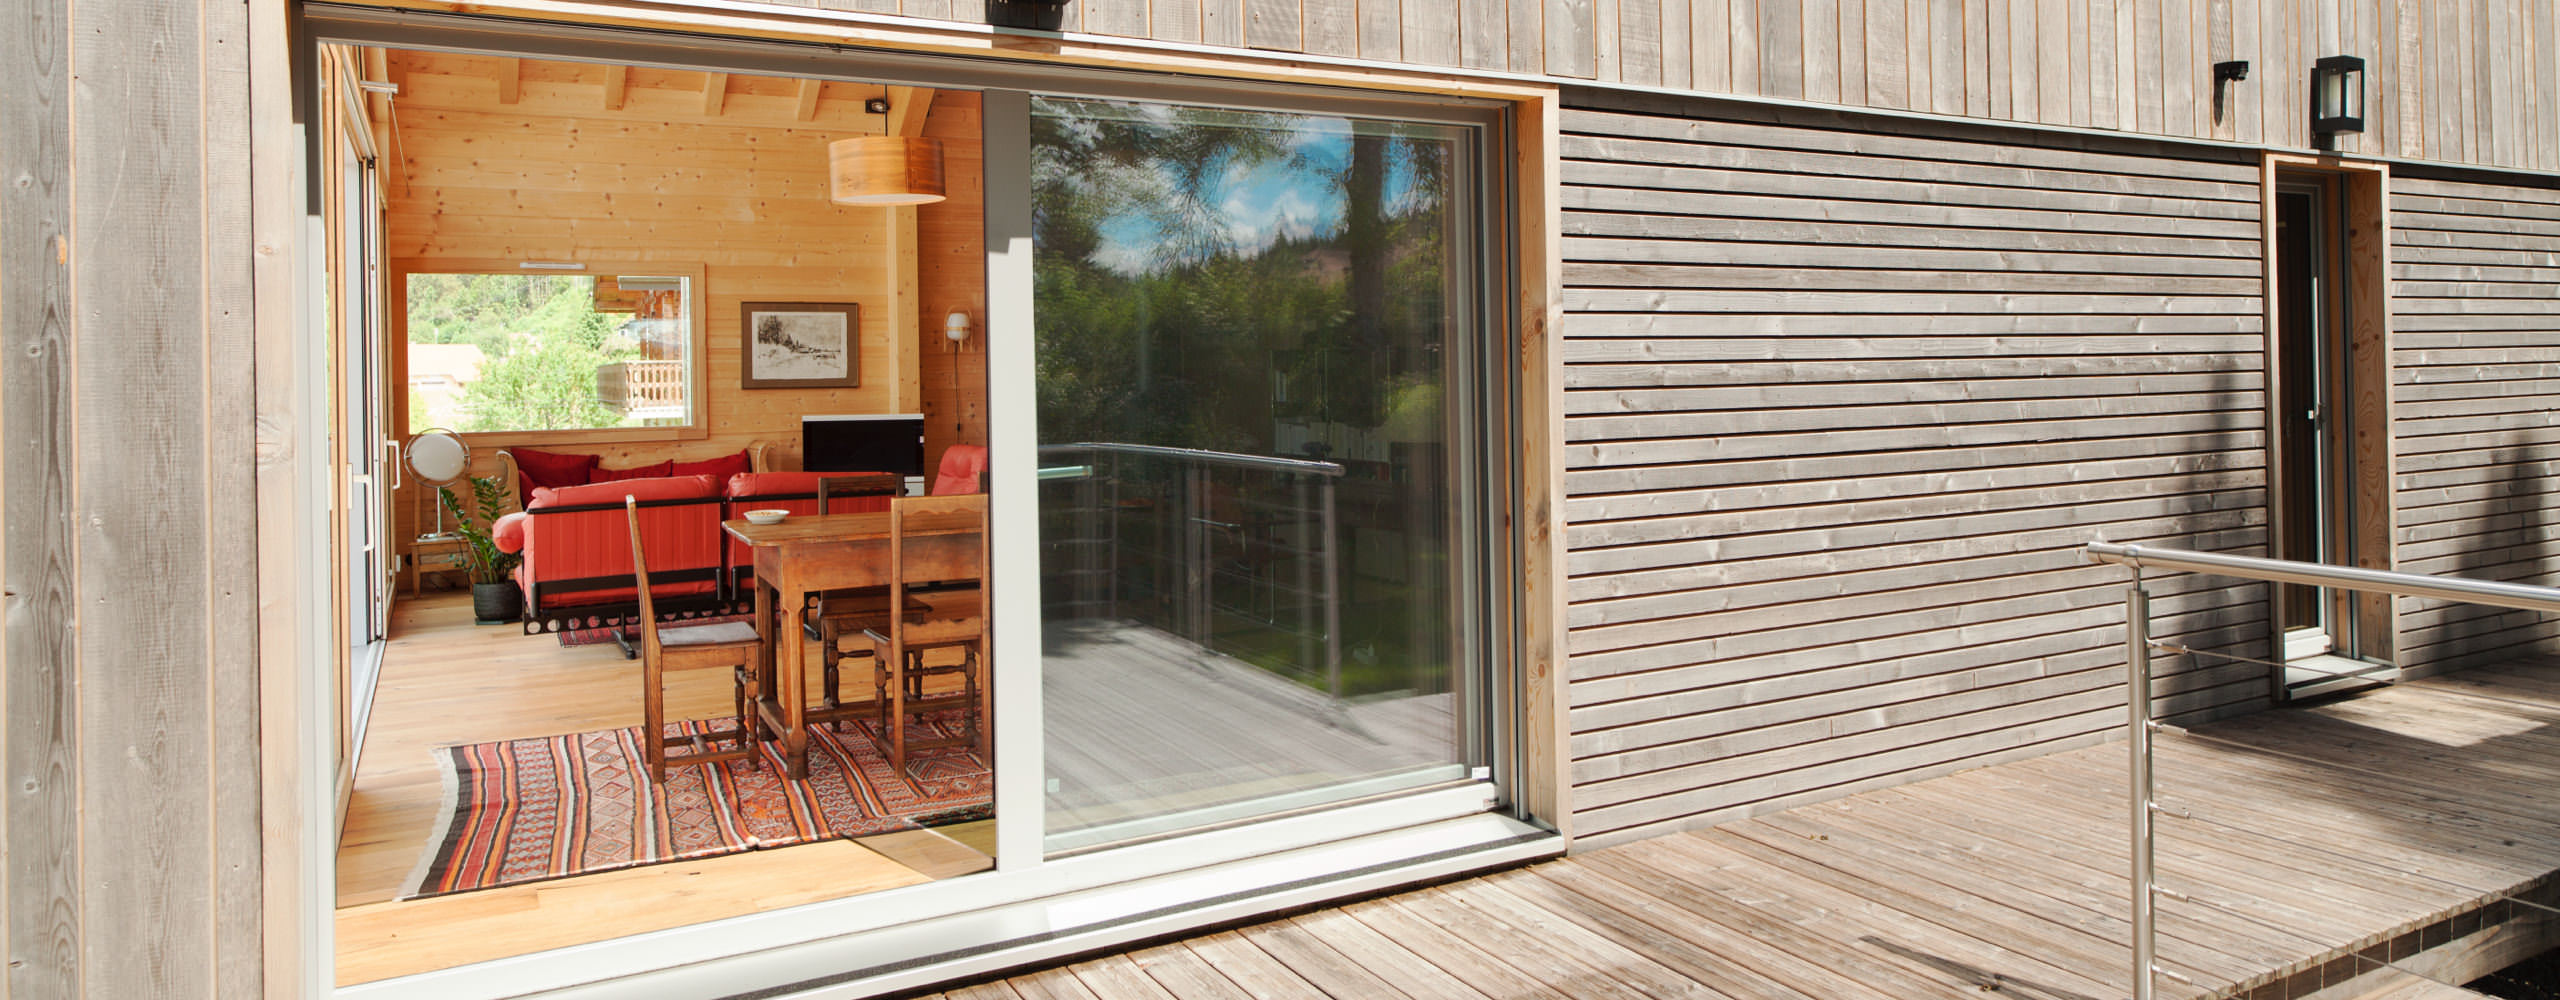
(2311,676)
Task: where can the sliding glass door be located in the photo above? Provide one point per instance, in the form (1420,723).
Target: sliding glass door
(1251,330)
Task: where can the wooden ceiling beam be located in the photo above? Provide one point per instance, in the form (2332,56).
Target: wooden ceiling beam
(807,108)
(617,86)
(908,107)
(715,91)
(510,79)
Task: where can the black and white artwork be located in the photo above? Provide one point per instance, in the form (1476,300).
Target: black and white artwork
(800,344)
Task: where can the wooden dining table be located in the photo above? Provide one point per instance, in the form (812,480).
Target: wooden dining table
(807,554)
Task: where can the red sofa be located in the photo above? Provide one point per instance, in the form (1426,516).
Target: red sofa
(576,544)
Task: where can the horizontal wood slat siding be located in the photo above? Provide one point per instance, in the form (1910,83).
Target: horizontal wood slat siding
(1841,406)
(2476,369)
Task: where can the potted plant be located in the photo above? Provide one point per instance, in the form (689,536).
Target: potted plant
(494,597)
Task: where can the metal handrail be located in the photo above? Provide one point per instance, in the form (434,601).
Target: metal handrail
(2138,725)
(1202,456)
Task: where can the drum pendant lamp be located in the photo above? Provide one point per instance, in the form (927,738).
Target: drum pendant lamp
(884,169)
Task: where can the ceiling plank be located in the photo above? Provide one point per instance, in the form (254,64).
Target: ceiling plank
(907,109)
(617,86)
(510,79)
(807,110)
(715,91)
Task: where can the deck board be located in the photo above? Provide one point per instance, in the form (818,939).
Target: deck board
(2307,845)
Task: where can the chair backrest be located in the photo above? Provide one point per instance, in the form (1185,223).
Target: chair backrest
(640,581)
(865,484)
(963,470)
(936,540)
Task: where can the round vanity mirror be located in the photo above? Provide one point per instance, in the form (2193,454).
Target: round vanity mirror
(441,458)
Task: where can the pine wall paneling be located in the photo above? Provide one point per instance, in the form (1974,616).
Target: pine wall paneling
(1843,401)
(2476,330)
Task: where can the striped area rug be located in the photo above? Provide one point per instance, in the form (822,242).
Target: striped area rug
(550,807)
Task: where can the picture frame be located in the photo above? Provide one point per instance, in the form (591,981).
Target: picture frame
(800,345)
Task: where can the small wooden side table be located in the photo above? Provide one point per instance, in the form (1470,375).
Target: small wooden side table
(431,553)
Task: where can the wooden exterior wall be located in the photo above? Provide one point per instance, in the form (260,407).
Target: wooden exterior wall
(2467,81)
(129,693)
(1844,397)
(2477,380)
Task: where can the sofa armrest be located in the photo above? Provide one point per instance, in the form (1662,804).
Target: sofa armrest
(509,532)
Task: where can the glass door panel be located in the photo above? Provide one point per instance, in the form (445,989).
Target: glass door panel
(1246,323)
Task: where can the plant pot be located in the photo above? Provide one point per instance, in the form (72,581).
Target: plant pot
(496,603)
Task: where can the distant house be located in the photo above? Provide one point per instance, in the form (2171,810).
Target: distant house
(438,374)
(1418,438)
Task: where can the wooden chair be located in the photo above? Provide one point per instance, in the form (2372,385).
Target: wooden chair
(840,614)
(733,645)
(943,541)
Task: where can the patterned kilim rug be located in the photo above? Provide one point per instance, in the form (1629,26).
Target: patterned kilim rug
(555,806)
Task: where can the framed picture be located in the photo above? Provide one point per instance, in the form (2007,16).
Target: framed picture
(800,345)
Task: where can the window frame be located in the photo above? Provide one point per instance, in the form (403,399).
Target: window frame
(698,342)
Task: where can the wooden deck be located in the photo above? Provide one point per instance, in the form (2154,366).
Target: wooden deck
(2302,845)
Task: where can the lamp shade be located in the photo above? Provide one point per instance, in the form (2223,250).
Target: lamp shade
(884,170)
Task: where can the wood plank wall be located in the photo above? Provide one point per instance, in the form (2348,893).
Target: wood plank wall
(1844,396)
(553,175)
(2464,81)
(2477,378)
(952,274)
(128,692)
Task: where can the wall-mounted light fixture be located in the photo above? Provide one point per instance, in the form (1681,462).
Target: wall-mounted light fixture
(2337,97)
(956,326)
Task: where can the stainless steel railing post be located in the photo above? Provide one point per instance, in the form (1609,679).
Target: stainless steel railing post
(2137,662)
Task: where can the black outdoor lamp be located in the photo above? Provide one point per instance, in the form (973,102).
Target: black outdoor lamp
(2337,97)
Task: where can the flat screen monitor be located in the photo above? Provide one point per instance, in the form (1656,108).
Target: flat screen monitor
(863,442)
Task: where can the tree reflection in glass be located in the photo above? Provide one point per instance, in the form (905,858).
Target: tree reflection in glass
(1243,321)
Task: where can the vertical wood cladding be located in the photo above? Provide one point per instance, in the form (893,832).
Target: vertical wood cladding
(1842,405)
(130,695)
(2476,338)
(2462,81)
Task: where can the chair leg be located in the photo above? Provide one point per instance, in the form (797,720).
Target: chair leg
(653,712)
(828,656)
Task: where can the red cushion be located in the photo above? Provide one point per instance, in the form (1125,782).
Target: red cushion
(538,469)
(963,470)
(665,488)
(719,469)
(658,471)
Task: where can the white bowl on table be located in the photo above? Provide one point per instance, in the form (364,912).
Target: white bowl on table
(767,515)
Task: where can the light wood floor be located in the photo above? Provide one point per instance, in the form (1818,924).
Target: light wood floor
(2305,844)
(446,681)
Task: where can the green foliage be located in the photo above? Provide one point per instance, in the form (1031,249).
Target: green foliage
(489,564)
(542,339)
(547,384)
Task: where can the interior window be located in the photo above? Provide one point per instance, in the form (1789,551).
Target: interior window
(500,352)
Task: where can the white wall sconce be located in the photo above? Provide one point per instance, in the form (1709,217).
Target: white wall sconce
(2337,97)
(956,327)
